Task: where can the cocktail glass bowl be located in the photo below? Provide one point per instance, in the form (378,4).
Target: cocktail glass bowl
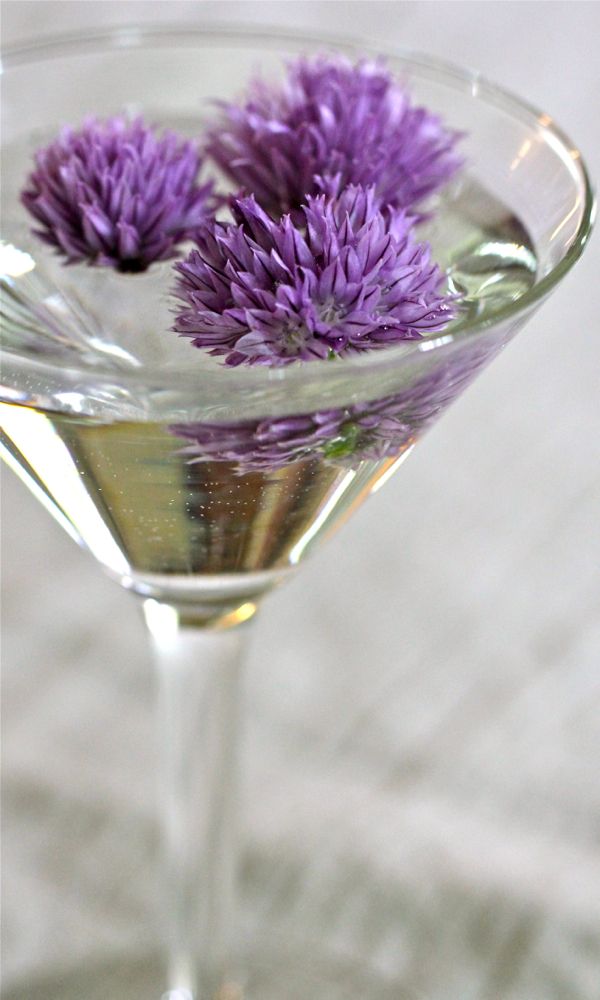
(199,487)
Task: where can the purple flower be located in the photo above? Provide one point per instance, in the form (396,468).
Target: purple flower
(366,431)
(116,193)
(265,292)
(330,119)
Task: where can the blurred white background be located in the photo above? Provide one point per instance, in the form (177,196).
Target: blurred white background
(449,636)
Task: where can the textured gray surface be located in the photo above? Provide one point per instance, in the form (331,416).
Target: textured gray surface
(423,701)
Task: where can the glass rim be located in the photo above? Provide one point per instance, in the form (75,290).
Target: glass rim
(132,36)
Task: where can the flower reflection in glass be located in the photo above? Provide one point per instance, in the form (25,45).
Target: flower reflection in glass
(369,431)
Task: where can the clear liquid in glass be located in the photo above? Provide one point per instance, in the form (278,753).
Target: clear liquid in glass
(120,482)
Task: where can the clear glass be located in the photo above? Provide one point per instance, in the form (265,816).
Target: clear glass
(199,689)
(200,488)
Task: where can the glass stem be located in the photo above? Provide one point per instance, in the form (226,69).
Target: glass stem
(199,669)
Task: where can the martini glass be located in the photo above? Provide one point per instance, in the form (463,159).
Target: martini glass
(200,488)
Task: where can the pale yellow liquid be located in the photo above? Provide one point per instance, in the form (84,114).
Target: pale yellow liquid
(126,492)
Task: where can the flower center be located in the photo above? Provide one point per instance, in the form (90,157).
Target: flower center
(331,312)
(293,338)
(132,266)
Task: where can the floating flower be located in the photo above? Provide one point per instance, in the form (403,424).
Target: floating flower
(352,279)
(369,431)
(332,119)
(117,193)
